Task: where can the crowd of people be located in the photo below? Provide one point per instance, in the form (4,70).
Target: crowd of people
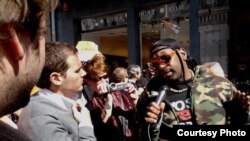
(80,98)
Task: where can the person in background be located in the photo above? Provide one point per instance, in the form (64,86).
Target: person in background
(97,92)
(99,98)
(120,76)
(148,71)
(95,87)
(22,53)
(242,78)
(135,77)
(179,85)
(125,97)
(57,112)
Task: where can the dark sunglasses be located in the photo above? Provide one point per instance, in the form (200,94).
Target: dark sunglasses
(163,59)
(103,77)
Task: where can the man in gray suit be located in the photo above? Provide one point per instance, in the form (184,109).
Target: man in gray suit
(56,113)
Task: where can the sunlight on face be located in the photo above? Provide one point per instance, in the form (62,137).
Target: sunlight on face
(73,79)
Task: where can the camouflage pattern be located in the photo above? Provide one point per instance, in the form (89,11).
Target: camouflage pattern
(212,103)
(209,92)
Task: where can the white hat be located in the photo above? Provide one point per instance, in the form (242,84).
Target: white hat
(86,50)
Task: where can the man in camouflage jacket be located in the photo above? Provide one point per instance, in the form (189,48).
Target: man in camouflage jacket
(205,97)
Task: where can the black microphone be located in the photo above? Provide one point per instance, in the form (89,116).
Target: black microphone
(159,99)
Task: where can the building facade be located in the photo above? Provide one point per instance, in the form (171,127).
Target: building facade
(125,29)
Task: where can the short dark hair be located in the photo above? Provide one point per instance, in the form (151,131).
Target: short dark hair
(25,15)
(56,56)
(164,44)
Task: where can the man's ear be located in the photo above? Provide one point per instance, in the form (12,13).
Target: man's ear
(183,54)
(56,78)
(16,49)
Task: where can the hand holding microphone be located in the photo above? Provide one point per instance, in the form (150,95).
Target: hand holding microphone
(155,108)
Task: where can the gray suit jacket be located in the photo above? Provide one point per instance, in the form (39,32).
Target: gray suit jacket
(43,120)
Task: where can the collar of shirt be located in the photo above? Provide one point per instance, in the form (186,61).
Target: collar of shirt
(55,98)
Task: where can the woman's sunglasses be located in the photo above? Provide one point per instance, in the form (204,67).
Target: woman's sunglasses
(163,59)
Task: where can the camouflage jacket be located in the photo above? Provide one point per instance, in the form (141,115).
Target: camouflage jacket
(212,101)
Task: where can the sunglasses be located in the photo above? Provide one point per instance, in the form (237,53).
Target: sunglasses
(106,76)
(162,60)
(98,78)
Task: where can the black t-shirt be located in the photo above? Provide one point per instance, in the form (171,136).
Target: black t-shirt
(179,96)
(181,103)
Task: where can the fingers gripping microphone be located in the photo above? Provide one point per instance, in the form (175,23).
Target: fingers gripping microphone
(159,99)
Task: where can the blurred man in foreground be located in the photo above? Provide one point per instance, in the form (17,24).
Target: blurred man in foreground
(22,44)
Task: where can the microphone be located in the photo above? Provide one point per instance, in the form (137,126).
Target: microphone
(161,94)
(159,99)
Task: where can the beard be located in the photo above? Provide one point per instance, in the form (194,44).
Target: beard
(16,89)
(16,95)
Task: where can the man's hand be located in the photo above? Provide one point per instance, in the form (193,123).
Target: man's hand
(153,112)
(81,114)
(243,98)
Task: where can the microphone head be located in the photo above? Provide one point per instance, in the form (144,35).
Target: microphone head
(163,88)
(161,94)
